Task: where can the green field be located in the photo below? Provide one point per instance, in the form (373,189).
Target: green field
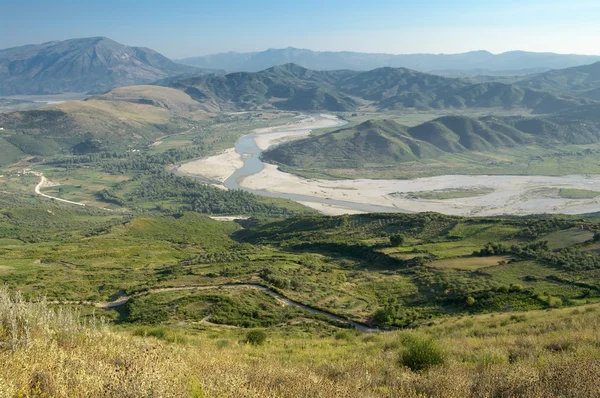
(449,193)
(577,193)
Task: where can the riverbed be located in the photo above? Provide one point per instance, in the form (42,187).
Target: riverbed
(242,168)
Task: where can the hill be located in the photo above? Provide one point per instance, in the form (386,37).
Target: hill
(457,307)
(291,86)
(125,118)
(387,143)
(581,81)
(162,97)
(470,63)
(92,65)
(286,87)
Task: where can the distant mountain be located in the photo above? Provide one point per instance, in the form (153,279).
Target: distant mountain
(93,65)
(478,62)
(387,143)
(578,81)
(291,86)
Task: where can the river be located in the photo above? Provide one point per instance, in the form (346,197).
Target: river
(251,153)
(516,195)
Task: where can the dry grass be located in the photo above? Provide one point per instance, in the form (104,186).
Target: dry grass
(49,353)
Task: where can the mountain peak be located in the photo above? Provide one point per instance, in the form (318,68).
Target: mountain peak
(63,66)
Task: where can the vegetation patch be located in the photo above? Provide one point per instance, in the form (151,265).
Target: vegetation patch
(570,193)
(450,193)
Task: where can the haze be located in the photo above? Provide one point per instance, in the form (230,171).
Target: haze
(186,28)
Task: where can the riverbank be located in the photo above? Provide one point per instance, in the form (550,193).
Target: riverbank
(241,168)
(519,195)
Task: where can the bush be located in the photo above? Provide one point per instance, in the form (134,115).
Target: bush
(343,335)
(421,353)
(397,239)
(256,337)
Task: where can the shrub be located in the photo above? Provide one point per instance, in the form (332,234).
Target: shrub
(421,353)
(397,239)
(256,337)
(555,302)
(343,335)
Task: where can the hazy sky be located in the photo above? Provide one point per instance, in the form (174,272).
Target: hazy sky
(181,28)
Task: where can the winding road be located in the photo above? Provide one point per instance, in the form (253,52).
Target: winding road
(280,298)
(42,183)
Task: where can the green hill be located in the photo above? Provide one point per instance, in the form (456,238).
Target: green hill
(382,141)
(88,126)
(387,143)
(293,87)
(286,87)
(482,95)
(578,81)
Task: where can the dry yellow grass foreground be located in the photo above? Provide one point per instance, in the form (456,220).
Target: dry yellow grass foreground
(47,353)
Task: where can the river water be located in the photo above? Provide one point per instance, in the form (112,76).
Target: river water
(250,153)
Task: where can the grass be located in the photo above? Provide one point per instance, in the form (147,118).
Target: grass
(569,193)
(449,193)
(538,353)
(468,263)
(566,238)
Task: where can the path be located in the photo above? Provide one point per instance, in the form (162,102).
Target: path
(43,182)
(280,298)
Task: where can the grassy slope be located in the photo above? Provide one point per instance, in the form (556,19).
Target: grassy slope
(446,145)
(539,353)
(341,264)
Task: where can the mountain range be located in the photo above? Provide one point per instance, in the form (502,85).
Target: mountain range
(470,63)
(92,65)
(291,86)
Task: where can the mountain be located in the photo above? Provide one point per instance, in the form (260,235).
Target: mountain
(285,87)
(476,62)
(386,143)
(293,87)
(94,65)
(578,81)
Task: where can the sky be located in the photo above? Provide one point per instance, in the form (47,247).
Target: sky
(186,28)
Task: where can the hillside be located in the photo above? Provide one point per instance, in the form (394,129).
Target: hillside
(293,87)
(92,65)
(457,307)
(470,63)
(581,81)
(372,142)
(458,95)
(162,97)
(83,127)
(285,87)
(387,143)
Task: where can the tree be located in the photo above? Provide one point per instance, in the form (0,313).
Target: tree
(397,239)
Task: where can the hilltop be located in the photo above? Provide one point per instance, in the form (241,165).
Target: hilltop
(95,65)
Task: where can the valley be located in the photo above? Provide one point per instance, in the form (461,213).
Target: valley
(240,225)
(240,167)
